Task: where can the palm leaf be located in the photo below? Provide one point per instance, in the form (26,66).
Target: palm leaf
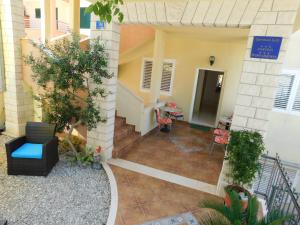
(219,207)
(233,214)
(214,218)
(252,211)
(274,218)
(236,206)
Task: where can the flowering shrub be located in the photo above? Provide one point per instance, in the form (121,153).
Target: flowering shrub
(87,157)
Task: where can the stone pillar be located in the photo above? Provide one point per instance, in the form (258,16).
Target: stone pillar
(48,19)
(17,100)
(259,77)
(104,133)
(75,16)
(157,67)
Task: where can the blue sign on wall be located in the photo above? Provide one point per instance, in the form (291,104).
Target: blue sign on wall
(99,25)
(265,47)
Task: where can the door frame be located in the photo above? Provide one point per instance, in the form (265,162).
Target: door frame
(195,89)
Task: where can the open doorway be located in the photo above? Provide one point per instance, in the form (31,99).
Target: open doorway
(207,94)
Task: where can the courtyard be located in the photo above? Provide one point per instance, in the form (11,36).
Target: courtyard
(149,112)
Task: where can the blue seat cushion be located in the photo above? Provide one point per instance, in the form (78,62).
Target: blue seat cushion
(28,151)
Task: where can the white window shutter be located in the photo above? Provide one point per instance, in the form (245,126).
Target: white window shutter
(147,71)
(284,92)
(166,78)
(296,103)
(266,174)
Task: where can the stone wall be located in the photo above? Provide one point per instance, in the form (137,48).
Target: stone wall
(17,98)
(104,133)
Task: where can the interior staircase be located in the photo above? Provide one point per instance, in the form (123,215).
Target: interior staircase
(125,137)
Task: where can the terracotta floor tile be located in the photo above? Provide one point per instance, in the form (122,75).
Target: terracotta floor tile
(168,152)
(156,210)
(143,198)
(132,216)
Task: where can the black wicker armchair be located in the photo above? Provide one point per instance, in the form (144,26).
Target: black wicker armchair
(34,154)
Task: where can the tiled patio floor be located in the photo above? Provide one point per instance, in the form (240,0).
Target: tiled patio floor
(143,198)
(183,151)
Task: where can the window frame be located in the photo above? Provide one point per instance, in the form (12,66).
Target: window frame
(166,93)
(292,97)
(37,13)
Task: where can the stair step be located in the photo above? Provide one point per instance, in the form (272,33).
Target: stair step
(119,121)
(121,147)
(123,131)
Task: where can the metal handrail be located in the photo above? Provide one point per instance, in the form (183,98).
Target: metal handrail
(273,184)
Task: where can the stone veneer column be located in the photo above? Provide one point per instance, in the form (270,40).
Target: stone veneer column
(259,77)
(18,101)
(104,133)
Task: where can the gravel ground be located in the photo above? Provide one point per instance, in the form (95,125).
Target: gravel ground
(69,195)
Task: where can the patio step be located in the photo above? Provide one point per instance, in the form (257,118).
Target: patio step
(124,138)
(123,131)
(119,121)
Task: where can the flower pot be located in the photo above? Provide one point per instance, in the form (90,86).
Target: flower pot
(238,189)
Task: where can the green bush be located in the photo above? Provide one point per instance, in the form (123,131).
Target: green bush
(243,153)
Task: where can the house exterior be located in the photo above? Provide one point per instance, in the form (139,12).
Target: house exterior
(175,39)
(61,24)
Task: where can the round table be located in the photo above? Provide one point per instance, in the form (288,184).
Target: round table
(170,109)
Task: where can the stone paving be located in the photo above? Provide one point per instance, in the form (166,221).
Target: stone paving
(143,198)
(69,195)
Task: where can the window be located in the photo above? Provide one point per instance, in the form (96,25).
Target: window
(287,97)
(166,79)
(85,19)
(38,13)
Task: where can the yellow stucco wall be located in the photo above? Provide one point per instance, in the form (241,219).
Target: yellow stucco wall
(190,53)
(63,9)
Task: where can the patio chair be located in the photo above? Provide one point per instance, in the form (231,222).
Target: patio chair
(162,121)
(34,154)
(221,137)
(174,115)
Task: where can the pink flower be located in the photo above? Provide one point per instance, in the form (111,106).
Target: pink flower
(98,149)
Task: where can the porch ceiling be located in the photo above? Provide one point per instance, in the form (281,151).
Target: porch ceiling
(208,33)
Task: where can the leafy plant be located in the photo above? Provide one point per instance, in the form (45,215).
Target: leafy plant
(71,79)
(84,157)
(106,10)
(243,152)
(235,215)
(87,157)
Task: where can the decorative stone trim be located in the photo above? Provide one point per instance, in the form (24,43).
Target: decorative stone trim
(113,193)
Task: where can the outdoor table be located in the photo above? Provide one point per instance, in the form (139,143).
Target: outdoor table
(167,109)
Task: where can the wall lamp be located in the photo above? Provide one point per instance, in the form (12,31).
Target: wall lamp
(212,60)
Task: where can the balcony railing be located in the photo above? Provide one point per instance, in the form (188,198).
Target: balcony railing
(35,23)
(274,185)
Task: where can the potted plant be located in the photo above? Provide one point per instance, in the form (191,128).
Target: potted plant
(221,214)
(243,153)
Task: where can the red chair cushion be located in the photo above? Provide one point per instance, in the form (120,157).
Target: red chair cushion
(164,121)
(172,104)
(221,140)
(221,132)
(176,114)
